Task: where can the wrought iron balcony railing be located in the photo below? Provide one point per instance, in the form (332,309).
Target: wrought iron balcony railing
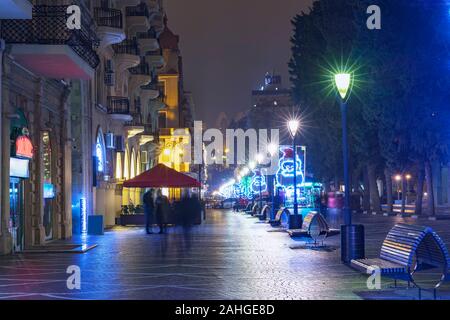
(155,53)
(118,105)
(141,10)
(142,69)
(150,34)
(151,86)
(136,122)
(108,17)
(49,26)
(128,46)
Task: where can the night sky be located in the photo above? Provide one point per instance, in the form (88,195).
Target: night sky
(228,45)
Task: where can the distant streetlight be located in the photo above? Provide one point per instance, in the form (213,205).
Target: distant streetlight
(408,177)
(295,221)
(272,148)
(398,178)
(252,165)
(259,158)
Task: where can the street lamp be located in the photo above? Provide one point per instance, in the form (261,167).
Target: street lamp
(398,178)
(259,159)
(408,177)
(272,148)
(352,236)
(293,126)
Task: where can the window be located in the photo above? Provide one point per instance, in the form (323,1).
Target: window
(100,152)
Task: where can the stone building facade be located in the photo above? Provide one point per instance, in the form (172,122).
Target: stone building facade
(88,102)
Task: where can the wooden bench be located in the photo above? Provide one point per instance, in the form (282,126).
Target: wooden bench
(248,208)
(254,210)
(315,227)
(405,253)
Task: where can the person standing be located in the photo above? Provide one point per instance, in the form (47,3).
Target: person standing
(162,207)
(149,207)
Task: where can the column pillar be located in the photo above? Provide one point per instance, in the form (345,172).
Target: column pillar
(65,220)
(37,178)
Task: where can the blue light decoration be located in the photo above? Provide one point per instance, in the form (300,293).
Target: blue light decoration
(49,191)
(83,214)
(285,172)
(257,180)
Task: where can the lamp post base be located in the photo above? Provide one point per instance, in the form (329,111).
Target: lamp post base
(352,242)
(295,221)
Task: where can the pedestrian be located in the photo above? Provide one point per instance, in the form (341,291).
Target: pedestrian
(149,208)
(162,209)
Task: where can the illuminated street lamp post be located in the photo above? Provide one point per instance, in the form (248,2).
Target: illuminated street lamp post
(408,177)
(398,179)
(259,160)
(295,221)
(272,148)
(352,236)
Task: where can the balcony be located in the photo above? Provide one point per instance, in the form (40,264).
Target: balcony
(157,22)
(119,108)
(147,40)
(110,26)
(45,45)
(127,54)
(16,9)
(134,126)
(153,6)
(122,4)
(150,91)
(155,58)
(139,76)
(137,19)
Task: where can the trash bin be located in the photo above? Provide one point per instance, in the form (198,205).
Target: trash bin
(352,242)
(95,225)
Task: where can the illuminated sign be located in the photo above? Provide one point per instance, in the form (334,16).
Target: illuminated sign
(49,191)
(19,168)
(24,147)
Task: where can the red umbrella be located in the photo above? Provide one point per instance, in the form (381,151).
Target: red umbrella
(161,176)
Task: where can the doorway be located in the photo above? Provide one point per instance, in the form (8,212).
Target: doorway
(16,199)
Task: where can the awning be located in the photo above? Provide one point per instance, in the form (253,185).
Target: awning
(161,176)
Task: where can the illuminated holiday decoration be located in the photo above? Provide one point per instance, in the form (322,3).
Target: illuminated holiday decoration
(285,173)
(258,180)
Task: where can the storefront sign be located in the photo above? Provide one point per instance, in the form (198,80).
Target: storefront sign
(19,168)
(24,147)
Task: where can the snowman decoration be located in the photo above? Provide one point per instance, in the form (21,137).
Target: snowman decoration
(285,173)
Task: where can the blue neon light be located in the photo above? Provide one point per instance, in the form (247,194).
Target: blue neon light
(83,213)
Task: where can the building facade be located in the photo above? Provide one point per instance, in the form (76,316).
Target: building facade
(83,111)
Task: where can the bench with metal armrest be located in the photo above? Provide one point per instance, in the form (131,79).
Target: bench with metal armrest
(406,252)
(314,226)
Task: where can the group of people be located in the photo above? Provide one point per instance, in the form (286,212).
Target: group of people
(159,210)
(158,207)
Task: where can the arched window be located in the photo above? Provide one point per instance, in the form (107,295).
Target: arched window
(126,164)
(133,164)
(119,165)
(100,151)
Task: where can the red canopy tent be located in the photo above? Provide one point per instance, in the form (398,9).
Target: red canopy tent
(161,176)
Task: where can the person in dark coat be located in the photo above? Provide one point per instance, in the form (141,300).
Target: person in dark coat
(162,209)
(149,208)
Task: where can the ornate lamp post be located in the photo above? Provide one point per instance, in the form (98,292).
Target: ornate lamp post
(295,221)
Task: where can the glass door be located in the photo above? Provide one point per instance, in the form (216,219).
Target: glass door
(16,213)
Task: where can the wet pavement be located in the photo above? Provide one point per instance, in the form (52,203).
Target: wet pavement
(230,256)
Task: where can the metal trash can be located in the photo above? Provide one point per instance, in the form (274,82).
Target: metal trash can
(352,242)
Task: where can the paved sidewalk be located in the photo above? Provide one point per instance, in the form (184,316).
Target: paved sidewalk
(231,256)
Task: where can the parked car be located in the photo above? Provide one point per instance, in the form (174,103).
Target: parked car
(228,203)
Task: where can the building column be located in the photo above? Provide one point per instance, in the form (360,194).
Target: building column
(37,177)
(65,220)
(5,236)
